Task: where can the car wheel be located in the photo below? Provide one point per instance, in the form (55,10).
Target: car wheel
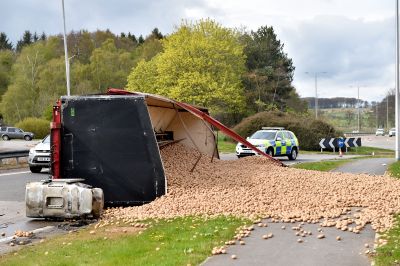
(239,156)
(5,137)
(270,152)
(27,138)
(293,155)
(35,169)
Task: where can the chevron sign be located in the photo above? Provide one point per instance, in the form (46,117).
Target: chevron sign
(331,143)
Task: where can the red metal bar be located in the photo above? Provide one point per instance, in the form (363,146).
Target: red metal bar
(207,118)
(55,141)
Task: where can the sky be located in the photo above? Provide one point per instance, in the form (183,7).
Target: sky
(349,44)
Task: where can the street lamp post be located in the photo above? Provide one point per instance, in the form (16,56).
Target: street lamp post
(316,91)
(358,107)
(66,52)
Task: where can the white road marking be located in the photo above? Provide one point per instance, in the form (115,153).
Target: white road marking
(16,173)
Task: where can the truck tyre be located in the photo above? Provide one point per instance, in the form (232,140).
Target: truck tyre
(35,169)
(293,155)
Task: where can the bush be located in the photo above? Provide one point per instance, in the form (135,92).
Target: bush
(39,127)
(308,130)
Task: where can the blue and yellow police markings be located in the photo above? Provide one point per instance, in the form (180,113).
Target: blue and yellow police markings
(281,147)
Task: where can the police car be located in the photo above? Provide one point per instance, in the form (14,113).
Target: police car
(275,141)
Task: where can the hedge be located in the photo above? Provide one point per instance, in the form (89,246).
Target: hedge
(308,130)
(39,127)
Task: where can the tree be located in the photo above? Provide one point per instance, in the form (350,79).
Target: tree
(150,48)
(141,39)
(202,63)
(35,37)
(270,71)
(110,66)
(43,36)
(5,44)
(6,62)
(26,40)
(21,99)
(157,34)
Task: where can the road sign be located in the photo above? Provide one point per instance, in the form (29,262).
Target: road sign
(332,143)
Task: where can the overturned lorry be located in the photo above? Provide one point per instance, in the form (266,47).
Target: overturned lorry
(113,142)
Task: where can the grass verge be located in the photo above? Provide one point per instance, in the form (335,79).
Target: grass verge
(389,254)
(178,241)
(324,166)
(394,169)
(225,144)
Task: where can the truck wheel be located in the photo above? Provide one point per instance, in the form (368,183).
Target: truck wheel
(35,169)
(293,155)
(5,137)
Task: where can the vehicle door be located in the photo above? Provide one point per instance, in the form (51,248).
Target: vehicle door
(288,140)
(19,133)
(11,132)
(280,144)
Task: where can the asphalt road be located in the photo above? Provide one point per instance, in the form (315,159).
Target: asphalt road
(373,166)
(12,204)
(383,142)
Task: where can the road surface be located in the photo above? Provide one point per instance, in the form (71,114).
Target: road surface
(12,204)
(373,166)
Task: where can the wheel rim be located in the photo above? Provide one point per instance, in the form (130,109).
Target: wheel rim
(294,154)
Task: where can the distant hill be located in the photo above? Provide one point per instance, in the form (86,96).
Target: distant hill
(337,102)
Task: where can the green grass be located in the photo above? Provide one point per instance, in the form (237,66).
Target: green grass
(394,169)
(324,166)
(180,241)
(389,254)
(225,144)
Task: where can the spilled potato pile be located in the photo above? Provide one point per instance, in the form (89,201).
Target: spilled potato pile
(255,187)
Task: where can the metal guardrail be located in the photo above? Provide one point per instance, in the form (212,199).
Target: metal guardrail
(347,134)
(13,154)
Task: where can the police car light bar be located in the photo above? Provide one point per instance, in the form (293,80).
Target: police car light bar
(273,128)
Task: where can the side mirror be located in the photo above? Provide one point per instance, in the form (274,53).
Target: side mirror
(278,139)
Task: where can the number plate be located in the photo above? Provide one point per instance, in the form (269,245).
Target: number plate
(43,159)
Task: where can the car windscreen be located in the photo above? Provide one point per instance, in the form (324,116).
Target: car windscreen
(264,135)
(46,139)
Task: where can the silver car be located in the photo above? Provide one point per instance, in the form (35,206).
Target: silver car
(39,156)
(8,133)
(380,132)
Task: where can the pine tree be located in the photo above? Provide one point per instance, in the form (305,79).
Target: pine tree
(141,39)
(5,44)
(123,35)
(35,37)
(26,40)
(133,38)
(43,37)
(157,34)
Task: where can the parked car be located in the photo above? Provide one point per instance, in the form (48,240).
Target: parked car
(380,132)
(8,133)
(392,132)
(273,141)
(39,156)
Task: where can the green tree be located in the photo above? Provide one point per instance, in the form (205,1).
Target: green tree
(5,44)
(26,40)
(21,98)
(150,48)
(270,71)
(6,62)
(110,66)
(202,63)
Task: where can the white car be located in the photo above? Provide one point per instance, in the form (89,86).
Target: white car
(392,132)
(380,132)
(39,156)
